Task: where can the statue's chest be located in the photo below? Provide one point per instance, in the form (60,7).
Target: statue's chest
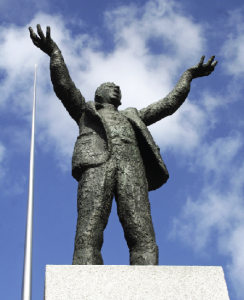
(118,126)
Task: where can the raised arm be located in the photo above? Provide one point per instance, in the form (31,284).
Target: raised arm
(168,105)
(63,85)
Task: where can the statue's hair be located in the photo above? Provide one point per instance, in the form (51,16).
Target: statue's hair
(99,94)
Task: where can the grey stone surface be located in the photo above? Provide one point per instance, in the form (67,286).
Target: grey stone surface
(114,156)
(135,282)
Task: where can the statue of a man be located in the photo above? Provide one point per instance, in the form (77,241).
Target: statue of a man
(114,155)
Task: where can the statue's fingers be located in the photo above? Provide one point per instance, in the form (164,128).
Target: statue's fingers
(214,63)
(211,59)
(32,34)
(39,31)
(31,30)
(48,33)
(35,39)
(201,61)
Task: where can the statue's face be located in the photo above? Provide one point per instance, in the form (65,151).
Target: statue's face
(112,94)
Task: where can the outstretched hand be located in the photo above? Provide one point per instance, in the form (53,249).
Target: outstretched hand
(46,44)
(201,69)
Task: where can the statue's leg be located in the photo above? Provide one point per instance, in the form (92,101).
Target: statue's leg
(94,202)
(134,209)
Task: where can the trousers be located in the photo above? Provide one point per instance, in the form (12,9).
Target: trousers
(122,176)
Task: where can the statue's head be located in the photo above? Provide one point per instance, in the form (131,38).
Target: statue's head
(108,93)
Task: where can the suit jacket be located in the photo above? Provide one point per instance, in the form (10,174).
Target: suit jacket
(93,146)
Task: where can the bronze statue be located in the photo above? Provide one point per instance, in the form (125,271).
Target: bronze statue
(114,155)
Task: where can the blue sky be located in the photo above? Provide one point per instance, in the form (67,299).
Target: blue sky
(144,47)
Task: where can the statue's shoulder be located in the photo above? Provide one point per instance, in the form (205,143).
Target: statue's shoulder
(130,112)
(90,109)
(90,105)
(133,116)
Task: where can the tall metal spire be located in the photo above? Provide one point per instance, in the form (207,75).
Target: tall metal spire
(27,274)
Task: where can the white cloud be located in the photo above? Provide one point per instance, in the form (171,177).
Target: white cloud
(158,19)
(2,152)
(233,48)
(144,78)
(219,207)
(219,156)
(217,210)
(235,248)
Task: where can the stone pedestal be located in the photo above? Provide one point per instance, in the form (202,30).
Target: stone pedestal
(134,282)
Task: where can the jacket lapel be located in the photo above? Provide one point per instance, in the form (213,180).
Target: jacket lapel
(92,111)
